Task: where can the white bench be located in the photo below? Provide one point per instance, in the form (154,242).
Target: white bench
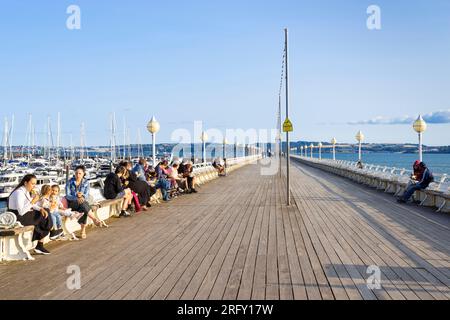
(16,243)
(436,195)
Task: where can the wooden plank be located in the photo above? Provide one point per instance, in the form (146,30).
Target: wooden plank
(204,274)
(272,285)
(415,273)
(219,287)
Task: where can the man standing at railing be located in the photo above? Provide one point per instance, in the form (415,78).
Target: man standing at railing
(421,179)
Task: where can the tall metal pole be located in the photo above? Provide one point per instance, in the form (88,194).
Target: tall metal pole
(359,151)
(203,152)
(223,153)
(420,146)
(279,134)
(288,189)
(154,149)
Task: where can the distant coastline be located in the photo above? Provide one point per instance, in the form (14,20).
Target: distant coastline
(343,148)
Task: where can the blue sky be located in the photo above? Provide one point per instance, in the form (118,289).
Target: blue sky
(219,61)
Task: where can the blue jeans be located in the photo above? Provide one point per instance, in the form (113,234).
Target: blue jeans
(164,185)
(411,189)
(56,218)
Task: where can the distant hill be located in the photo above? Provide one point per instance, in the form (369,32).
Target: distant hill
(376,147)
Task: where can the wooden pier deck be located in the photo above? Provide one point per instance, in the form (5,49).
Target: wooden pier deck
(237,240)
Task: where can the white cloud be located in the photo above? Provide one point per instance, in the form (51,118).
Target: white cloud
(438,117)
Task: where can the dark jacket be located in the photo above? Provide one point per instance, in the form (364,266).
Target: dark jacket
(113,186)
(142,188)
(427,178)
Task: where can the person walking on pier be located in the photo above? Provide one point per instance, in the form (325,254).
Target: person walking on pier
(421,179)
(22,202)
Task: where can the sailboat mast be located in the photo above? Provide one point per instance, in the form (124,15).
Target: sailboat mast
(33,140)
(129,142)
(124,138)
(82,141)
(11,131)
(5,141)
(49,142)
(58,137)
(140,153)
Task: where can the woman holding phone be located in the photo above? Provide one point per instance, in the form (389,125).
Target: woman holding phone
(23,202)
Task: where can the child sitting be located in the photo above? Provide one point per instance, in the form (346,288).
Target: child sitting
(44,203)
(57,210)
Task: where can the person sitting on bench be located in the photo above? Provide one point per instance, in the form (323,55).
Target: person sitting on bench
(219,166)
(415,185)
(115,190)
(22,202)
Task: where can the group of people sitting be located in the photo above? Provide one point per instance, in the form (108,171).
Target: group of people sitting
(45,208)
(137,184)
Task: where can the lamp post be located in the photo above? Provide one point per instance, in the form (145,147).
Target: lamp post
(420,126)
(204,138)
(333,142)
(225,142)
(311,146)
(359,138)
(153,127)
(320,150)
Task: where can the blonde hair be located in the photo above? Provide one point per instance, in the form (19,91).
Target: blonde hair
(45,189)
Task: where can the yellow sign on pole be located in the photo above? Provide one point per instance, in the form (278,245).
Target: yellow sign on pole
(287,126)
